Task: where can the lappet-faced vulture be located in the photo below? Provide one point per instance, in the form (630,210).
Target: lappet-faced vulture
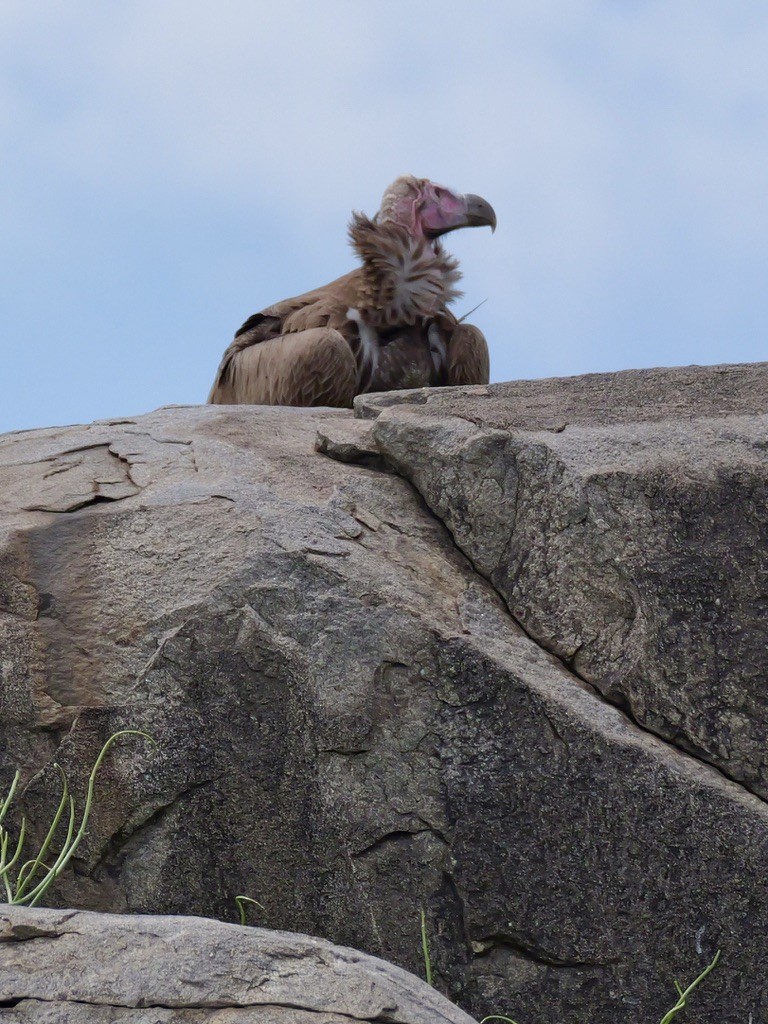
(384,326)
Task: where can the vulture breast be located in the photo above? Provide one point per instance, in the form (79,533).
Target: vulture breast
(410,357)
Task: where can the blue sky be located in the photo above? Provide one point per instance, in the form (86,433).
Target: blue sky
(169,168)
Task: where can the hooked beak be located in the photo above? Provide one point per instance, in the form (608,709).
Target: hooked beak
(457,211)
(479,212)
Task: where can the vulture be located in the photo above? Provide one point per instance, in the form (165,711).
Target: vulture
(384,326)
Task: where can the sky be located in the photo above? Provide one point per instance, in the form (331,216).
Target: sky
(168,168)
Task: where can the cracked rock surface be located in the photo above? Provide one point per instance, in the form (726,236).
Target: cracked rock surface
(624,520)
(495,684)
(186,970)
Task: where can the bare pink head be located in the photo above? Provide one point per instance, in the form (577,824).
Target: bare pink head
(428,210)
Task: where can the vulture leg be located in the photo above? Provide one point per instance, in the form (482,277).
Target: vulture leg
(468,361)
(312,367)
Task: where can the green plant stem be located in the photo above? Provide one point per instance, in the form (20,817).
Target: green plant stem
(241,901)
(7,802)
(69,848)
(30,868)
(425,949)
(5,868)
(683,995)
(55,870)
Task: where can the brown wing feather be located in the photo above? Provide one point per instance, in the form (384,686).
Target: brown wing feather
(321,307)
(468,359)
(313,367)
(316,308)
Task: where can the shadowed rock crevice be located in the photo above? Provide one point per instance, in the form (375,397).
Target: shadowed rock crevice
(517,946)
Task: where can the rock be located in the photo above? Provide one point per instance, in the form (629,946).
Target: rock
(624,520)
(61,966)
(352,726)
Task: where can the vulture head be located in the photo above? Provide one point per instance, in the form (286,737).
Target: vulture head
(427,210)
(406,275)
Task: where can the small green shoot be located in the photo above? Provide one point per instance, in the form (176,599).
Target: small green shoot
(241,901)
(27,887)
(680,1004)
(425,949)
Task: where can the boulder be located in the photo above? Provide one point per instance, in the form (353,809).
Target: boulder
(461,653)
(624,520)
(71,967)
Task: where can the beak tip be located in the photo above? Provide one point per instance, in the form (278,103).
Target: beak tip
(480,212)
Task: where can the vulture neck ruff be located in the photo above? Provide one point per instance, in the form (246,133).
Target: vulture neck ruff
(404,279)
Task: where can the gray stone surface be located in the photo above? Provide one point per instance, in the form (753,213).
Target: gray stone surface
(73,966)
(624,519)
(351,726)
(33,1011)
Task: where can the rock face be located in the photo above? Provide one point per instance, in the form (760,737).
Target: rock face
(624,520)
(516,683)
(59,966)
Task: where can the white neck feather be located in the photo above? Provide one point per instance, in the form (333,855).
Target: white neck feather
(405,279)
(418,284)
